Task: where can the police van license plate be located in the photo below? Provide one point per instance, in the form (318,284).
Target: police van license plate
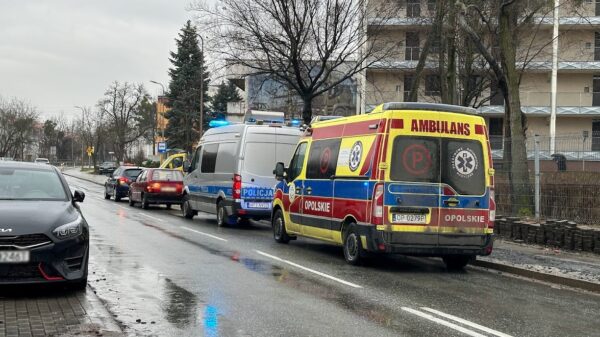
(409,218)
(14,256)
(261,205)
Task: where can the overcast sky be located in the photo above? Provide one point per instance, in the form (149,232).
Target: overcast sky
(61,53)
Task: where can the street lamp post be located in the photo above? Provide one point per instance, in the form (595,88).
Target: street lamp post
(82,126)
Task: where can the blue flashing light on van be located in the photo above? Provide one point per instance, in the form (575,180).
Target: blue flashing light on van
(215,123)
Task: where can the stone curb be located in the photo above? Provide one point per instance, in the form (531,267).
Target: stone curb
(556,279)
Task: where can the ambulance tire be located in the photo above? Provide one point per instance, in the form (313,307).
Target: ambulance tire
(279,233)
(354,253)
(456,262)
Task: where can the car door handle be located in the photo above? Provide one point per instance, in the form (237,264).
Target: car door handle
(308,190)
(452,202)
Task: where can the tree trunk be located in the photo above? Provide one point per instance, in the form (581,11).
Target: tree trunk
(307,110)
(516,152)
(452,93)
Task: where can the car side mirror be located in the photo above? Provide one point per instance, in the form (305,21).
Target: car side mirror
(78,196)
(186,166)
(279,171)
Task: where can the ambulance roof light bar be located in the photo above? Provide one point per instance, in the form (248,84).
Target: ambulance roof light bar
(429,106)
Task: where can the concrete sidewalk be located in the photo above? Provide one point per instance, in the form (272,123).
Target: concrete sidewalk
(519,258)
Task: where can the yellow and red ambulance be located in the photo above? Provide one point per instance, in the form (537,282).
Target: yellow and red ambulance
(410,178)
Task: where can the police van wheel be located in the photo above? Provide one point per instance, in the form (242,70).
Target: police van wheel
(222,217)
(186,209)
(279,233)
(456,262)
(353,251)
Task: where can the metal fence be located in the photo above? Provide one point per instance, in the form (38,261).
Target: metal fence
(559,184)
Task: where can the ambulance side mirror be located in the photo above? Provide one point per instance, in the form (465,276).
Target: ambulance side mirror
(279,171)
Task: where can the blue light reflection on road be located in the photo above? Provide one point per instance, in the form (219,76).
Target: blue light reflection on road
(210,321)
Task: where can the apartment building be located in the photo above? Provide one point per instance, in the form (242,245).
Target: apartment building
(578,73)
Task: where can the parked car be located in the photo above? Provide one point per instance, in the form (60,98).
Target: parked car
(107,167)
(175,161)
(117,185)
(42,161)
(231,172)
(157,186)
(44,237)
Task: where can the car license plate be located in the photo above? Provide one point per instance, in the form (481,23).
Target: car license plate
(262,205)
(168,189)
(409,218)
(14,256)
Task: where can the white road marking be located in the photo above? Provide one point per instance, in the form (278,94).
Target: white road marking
(444,323)
(308,269)
(205,234)
(122,207)
(465,322)
(151,217)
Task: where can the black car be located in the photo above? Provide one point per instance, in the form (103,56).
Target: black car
(44,237)
(117,185)
(107,167)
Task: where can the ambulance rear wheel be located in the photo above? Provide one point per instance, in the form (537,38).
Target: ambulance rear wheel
(279,233)
(456,262)
(354,252)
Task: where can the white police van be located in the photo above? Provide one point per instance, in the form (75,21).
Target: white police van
(231,171)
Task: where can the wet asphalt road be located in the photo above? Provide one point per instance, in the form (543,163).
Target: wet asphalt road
(162,275)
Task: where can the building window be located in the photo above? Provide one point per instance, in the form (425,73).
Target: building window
(432,85)
(597,8)
(409,80)
(596,135)
(496,132)
(413,8)
(431,6)
(597,46)
(596,91)
(413,48)
(496,97)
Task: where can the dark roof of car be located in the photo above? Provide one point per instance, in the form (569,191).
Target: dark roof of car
(26,165)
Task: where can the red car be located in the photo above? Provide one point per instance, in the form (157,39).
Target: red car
(157,186)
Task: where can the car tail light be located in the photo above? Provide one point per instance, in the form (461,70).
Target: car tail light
(179,187)
(237,186)
(492,216)
(377,212)
(123,181)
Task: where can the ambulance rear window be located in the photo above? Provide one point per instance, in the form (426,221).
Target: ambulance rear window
(416,159)
(455,162)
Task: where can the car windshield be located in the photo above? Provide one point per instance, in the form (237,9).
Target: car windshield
(132,173)
(28,184)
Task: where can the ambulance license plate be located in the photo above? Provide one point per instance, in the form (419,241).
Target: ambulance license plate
(14,256)
(409,218)
(168,189)
(261,205)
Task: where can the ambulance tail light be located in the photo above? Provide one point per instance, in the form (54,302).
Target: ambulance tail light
(237,186)
(377,212)
(492,216)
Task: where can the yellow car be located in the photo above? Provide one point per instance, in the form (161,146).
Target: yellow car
(175,161)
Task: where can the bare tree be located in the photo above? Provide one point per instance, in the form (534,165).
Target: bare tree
(17,123)
(309,45)
(121,108)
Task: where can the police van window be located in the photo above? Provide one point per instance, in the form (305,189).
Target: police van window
(297,162)
(195,162)
(462,166)
(415,159)
(226,158)
(209,158)
(260,158)
(322,159)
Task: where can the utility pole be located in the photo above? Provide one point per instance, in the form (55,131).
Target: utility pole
(156,120)
(82,127)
